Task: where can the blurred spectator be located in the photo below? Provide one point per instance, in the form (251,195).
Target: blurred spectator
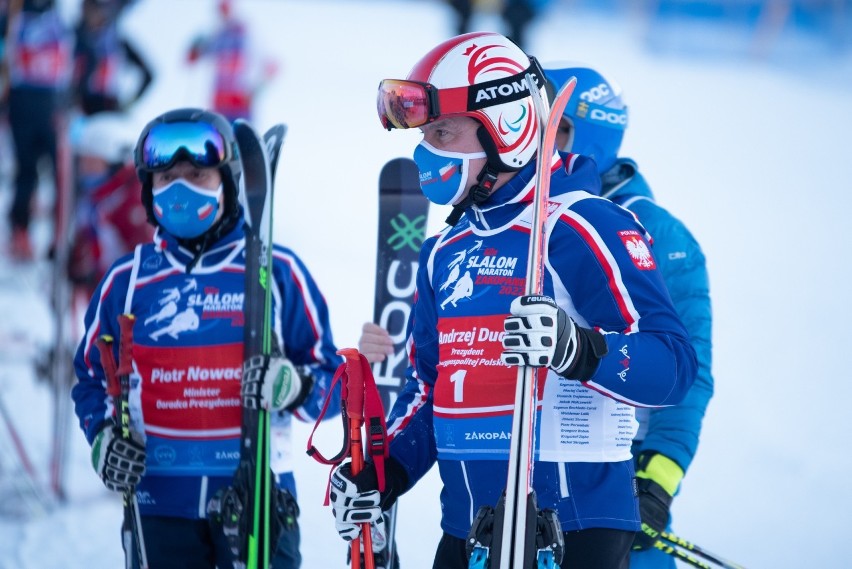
(517,14)
(110,219)
(38,56)
(239,72)
(101,58)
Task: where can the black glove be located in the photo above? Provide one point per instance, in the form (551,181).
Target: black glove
(654,471)
(119,462)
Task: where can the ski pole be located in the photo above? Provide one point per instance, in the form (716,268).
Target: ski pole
(118,388)
(680,554)
(520,496)
(360,405)
(355,408)
(23,457)
(670,538)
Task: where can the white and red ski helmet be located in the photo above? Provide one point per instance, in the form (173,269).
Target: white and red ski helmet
(492,68)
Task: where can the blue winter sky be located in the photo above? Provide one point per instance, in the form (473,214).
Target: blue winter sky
(747,151)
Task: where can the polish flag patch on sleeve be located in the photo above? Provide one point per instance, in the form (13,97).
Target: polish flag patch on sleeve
(638,250)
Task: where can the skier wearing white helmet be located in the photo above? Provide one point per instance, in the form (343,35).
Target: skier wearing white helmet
(604,333)
(109,220)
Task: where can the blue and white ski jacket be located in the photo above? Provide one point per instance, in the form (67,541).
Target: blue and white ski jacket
(187,363)
(456,406)
(672,431)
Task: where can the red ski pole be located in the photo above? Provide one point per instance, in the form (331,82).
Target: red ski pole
(361,404)
(118,388)
(354,393)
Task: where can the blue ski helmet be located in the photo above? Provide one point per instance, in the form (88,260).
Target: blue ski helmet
(596,111)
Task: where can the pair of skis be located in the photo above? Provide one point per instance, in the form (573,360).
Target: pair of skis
(516,535)
(254,474)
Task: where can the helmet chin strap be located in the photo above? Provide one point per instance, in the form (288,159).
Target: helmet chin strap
(478,193)
(486,179)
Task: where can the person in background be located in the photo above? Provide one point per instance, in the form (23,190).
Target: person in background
(239,71)
(102,56)
(604,332)
(186,290)
(665,444)
(38,53)
(110,220)
(516,15)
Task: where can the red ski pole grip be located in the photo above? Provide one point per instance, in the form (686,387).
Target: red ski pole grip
(125,344)
(104,344)
(354,381)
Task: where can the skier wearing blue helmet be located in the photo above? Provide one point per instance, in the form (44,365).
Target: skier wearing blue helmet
(190,378)
(595,117)
(593,124)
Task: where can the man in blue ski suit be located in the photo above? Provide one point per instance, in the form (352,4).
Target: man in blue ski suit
(605,328)
(186,291)
(667,438)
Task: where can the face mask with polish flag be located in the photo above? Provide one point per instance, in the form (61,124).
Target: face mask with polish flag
(443,175)
(186,210)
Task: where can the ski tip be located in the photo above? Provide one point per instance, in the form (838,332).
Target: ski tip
(400,175)
(561,100)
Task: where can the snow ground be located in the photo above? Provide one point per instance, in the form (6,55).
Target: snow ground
(748,154)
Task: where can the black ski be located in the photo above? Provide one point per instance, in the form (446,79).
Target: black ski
(403,212)
(273,139)
(253,478)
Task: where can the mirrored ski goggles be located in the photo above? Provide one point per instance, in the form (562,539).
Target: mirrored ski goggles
(409,104)
(198,142)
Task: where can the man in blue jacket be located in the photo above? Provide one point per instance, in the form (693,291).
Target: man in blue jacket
(593,125)
(186,291)
(604,334)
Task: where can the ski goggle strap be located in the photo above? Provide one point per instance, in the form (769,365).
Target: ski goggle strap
(402,103)
(198,142)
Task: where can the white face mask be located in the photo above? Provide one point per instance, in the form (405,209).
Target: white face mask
(443,175)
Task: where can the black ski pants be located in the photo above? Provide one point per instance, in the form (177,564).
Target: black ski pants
(180,543)
(596,548)
(32,120)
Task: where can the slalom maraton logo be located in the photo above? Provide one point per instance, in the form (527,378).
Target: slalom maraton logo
(468,268)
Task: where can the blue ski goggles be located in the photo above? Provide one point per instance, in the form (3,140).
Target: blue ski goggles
(198,142)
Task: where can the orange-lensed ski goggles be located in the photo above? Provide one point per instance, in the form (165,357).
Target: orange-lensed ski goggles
(409,104)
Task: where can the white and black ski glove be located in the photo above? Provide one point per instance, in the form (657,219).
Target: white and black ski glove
(353,501)
(539,333)
(379,536)
(273,383)
(120,463)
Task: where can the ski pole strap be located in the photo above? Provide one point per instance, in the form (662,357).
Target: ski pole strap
(365,402)
(360,400)
(313,451)
(343,453)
